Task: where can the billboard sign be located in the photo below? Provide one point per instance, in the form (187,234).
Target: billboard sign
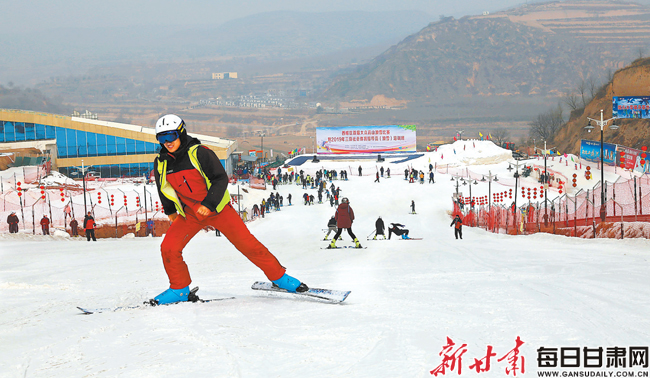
(366,139)
(632,158)
(631,107)
(590,150)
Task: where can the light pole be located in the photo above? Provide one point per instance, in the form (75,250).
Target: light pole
(589,127)
(460,134)
(491,178)
(262,137)
(457,178)
(545,152)
(83,170)
(465,181)
(516,175)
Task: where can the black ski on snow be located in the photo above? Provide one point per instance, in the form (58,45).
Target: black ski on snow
(333,296)
(195,299)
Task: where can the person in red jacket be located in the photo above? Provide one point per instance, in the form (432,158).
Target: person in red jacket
(45,225)
(458,230)
(89,226)
(344,218)
(12,220)
(193,189)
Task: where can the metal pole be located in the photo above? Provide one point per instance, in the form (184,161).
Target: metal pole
(83,172)
(602,171)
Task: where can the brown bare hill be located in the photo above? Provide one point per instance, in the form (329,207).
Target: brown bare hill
(536,50)
(633,80)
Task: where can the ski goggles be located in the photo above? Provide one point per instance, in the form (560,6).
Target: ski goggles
(167,136)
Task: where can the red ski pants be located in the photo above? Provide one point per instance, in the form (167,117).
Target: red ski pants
(232,227)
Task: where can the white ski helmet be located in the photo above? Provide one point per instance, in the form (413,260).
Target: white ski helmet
(345,200)
(170,122)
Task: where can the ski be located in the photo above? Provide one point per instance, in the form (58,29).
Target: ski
(88,311)
(411,239)
(347,246)
(333,296)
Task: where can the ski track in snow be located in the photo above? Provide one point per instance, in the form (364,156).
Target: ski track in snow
(407,296)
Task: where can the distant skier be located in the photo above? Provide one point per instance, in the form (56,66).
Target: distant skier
(379,228)
(431,178)
(377,179)
(458,231)
(412,207)
(344,218)
(359,170)
(397,229)
(388,172)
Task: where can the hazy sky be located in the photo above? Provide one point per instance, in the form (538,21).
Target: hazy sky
(21,16)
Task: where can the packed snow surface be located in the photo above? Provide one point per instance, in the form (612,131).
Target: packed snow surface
(408,297)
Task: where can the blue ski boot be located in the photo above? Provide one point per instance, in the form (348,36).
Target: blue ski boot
(404,236)
(290,284)
(171,296)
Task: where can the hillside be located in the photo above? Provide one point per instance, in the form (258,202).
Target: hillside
(633,80)
(534,50)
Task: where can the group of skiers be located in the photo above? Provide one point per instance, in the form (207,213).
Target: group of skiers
(88,225)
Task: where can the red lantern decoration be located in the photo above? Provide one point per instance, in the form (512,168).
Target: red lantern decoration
(622,153)
(644,148)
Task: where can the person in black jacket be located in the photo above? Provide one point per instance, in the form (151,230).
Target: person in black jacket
(331,227)
(397,229)
(379,228)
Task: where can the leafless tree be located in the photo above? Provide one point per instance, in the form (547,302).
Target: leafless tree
(545,125)
(593,87)
(500,135)
(582,88)
(570,99)
(640,52)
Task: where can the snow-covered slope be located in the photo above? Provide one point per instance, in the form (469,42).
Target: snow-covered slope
(407,297)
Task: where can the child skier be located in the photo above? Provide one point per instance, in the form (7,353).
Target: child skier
(331,227)
(193,188)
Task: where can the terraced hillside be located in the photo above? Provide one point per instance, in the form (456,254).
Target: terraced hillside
(535,50)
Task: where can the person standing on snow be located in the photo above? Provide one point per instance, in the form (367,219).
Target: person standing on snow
(412,206)
(45,225)
(89,226)
(74,227)
(458,231)
(344,218)
(379,228)
(12,220)
(193,188)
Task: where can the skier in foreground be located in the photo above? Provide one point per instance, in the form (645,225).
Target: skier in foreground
(193,188)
